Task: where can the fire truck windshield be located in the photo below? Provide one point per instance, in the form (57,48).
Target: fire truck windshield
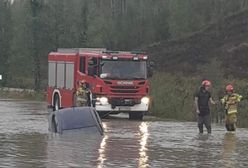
(123,69)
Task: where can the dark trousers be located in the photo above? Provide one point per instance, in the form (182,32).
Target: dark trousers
(204,120)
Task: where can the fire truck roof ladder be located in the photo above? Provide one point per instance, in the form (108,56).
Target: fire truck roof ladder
(124,52)
(110,52)
(138,52)
(80,50)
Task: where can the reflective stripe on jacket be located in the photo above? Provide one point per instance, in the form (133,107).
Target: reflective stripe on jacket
(231,102)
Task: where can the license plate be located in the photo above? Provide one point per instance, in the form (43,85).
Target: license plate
(127,100)
(124,108)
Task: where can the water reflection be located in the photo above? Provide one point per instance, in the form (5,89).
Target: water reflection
(228,150)
(124,144)
(25,142)
(204,154)
(143,157)
(73,149)
(102,148)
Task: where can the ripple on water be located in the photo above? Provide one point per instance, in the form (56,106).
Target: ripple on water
(25,142)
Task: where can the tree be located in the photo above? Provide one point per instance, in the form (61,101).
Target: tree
(35,7)
(56,22)
(5,39)
(83,26)
(41,26)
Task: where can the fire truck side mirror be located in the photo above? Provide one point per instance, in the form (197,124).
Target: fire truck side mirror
(150,72)
(152,64)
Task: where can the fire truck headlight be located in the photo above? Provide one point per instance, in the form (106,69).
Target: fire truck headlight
(135,58)
(145,100)
(103,100)
(115,58)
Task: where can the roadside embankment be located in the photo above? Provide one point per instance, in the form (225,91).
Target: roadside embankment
(17,93)
(173,97)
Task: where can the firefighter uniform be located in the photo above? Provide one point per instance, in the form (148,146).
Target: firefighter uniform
(82,96)
(230,101)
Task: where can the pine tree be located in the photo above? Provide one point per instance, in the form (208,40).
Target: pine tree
(83,26)
(5,39)
(36,6)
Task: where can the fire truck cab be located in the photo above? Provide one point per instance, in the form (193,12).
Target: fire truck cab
(117,80)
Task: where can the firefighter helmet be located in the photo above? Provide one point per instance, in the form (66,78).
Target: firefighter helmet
(206,83)
(229,88)
(81,82)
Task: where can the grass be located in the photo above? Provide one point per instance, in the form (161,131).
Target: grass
(173,97)
(38,96)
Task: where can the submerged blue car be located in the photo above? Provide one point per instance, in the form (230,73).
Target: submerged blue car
(76,118)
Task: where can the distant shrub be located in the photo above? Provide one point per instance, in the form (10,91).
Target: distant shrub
(173,97)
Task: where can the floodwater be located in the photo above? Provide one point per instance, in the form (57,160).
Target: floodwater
(25,142)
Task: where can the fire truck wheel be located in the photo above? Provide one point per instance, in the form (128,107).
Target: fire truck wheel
(54,124)
(136,115)
(56,103)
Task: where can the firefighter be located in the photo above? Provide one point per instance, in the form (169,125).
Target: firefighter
(202,99)
(82,94)
(230,102)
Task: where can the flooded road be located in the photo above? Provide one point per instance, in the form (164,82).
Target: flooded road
(26,142)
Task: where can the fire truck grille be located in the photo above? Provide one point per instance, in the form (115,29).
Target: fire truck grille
(124,91)
(124,87)
(124,102)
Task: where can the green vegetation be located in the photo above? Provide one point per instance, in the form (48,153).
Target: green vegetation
(173,97)
(188,39)
(24,94)
(30,29)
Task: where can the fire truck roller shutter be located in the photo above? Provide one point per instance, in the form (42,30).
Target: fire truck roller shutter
(65,74)
(60,74)
(69,83)
(51,74)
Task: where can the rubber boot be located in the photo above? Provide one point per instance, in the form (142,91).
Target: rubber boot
(232,127)
(228,127)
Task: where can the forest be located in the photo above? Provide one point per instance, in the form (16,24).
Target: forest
(30,29)
(188,39)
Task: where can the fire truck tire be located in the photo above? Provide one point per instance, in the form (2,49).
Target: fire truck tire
(56,101)
(136,115)
(54,124)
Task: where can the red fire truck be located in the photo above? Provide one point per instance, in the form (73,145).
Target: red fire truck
(117,80)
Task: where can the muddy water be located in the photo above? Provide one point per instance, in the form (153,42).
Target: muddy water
(25,142)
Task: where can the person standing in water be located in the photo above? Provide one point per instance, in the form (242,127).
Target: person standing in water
(230,102)
(82,95)
(202,99)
